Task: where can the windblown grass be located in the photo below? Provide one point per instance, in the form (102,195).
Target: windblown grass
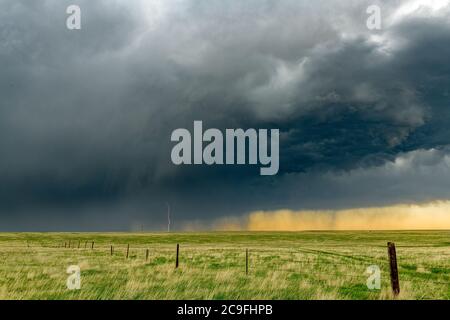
(303,265)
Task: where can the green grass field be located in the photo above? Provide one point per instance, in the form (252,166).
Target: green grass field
(302,265)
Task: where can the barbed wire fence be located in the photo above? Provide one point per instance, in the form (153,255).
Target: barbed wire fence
(268,258)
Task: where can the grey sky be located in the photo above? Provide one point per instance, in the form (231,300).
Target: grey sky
(86,116)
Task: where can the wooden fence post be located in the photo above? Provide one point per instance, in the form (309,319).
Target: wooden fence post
(128,250)
(78,244)
(65,244)
(69,243)
(146,255)
(395,283)
(178,252)
(85,244)
(92,246)
(246,261)
(112,250)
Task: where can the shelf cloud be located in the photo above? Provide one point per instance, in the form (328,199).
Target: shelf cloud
(86,115)
(428,216)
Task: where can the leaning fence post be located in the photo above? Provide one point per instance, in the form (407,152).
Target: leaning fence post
(128,250)
(246,261)
(178,252)
(395,283)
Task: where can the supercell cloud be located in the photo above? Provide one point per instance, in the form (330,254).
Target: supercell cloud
(86,115)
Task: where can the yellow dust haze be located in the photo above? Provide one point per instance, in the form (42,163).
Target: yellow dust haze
(435,215)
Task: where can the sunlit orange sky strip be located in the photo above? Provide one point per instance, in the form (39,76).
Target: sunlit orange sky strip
(427,216)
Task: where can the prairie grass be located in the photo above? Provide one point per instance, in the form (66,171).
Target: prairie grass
(282,265)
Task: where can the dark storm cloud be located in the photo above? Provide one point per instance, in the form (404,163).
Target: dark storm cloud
(86,116)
